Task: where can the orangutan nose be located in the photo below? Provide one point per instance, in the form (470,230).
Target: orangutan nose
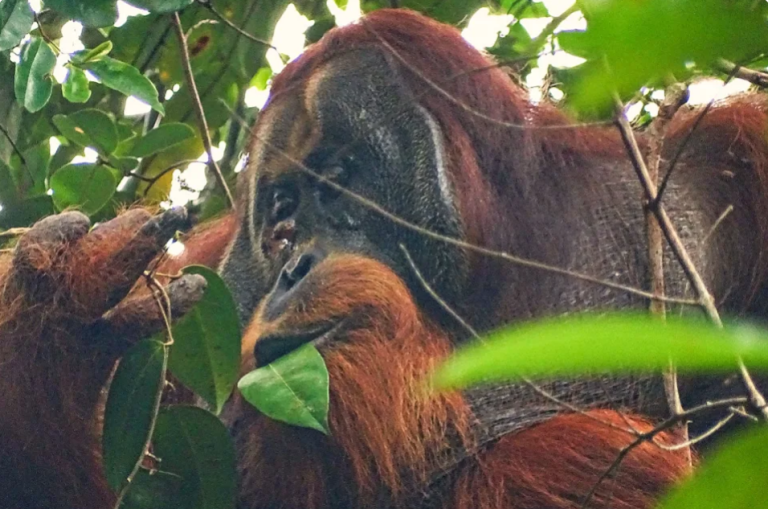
(290,276)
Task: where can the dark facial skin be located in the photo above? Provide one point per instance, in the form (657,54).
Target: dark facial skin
(355,124)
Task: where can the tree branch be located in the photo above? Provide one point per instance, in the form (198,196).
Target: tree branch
(198,107)
(706,301)
(757,78)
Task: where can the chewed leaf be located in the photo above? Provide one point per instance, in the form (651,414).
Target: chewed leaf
(293,389)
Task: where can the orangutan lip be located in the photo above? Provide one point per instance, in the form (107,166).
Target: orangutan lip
(270,348)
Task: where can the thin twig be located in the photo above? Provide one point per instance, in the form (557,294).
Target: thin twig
(152,180)
(757,78)
(198,107)
(706,301)
(688,443)
(13,232)
(552,26)
(681,147)
(13,145)
(649,435)
(676,95)
(208,5)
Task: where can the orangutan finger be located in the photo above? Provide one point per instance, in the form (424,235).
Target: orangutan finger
(141,317)
(39,249)
(127,264)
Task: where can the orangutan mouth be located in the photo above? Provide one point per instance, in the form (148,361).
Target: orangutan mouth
(273,346)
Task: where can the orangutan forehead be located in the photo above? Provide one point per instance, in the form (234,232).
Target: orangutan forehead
(347,98)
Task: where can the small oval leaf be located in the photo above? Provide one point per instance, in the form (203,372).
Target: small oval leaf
(293,389)
(76,88)
(87,187)
(33,82)
(194,445)
(131,406)
(733,477)
(589,344)
(205,355)
(126,79)
(161,138)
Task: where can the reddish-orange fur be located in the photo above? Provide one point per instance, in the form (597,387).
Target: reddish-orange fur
(388,430)
(556,464)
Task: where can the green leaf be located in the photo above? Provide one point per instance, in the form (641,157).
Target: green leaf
(194,445)
(125,79)
(633,44)
(156,490)
(205,355)
(161,138)
(262,77)
(89,128)
(592,344)
(293,389)
(733,477)
(33,82)
(16,18)
(91,55)
(131,406)
(93,13)
(160,6)
(87,187)
(76,89)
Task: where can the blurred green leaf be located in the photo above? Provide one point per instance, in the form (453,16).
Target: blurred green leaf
(76,89)
(206,351)
(262,77)
(130,409)
(33,82)
(125,79)
(632,44)
(589,344)
(161,138)
(95,13)
(293,389)
(16,18)
(733,477)
(194,445)
(89,128)
(160,6)
(86,187)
